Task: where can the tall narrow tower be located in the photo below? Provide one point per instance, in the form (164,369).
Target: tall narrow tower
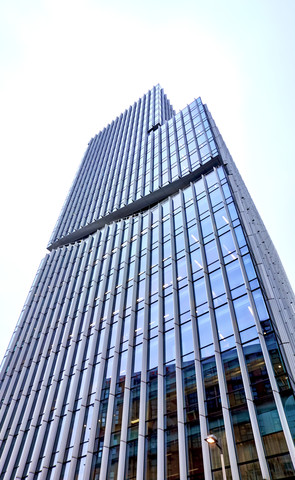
(160,315)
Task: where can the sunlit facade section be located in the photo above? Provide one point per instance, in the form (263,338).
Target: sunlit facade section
(158,318)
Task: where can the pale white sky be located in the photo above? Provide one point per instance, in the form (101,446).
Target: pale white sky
(69,67)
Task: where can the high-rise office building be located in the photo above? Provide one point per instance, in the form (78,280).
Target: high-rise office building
(160,315)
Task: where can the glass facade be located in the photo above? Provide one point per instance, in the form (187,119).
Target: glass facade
(151,323)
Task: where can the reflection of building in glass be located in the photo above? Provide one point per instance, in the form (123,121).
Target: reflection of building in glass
(161,314)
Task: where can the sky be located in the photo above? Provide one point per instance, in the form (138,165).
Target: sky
(69,67)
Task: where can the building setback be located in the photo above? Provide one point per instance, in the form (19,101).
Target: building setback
(160,315)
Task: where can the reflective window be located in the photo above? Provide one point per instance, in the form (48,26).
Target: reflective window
(200,291)
(168,307)
(260,305)
(217,284)
(187,343)
(206,226)
(154,315)
(184,300)
(234,274)
(153,353)
(244,313)
(227,245)
(205,330)
(211,252)
(223,321)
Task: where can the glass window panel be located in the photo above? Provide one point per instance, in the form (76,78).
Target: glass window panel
(165,208)
(211,178)
(132,249)
(155,215)
(155,234)
(281,466)
(187,343)
(113,462)
(257,370)
(137,359)
(178,220)
(113,335)
(192,146)
(217,285)
(168,307)
(204,329)
(289,407)
(207,351)
(190,213)
(204,151)
(226,190)
(232,211)
(221,218)
(142,266)
(199,186)
(227,343)
(154,315)
(139,322)
(143,242)
(131,460)
(227,244)
(216,197)
(134,406)
(179,242)
(203,205)
(169,340)
(166,227)
(167,275)
(172,454)
(141,290)
(240,236)
(234,274)
(120,276)
(194,157)
(181,268)
(220,172)
(154,283)
(151,458)
(131,270)
(269,421)
(193,236)
(223,321)
(194,447)
(260,305)
(201,138)
(249,334)
(210,378)
(249,267)
(200,291)
(244,313)
(233,377)
(126,327)
(184,300)
(153,353)
(244,436)
(176,201)
(197,262)
(188,194)
(206,226)
(211,252)
(123,363)
(155,256)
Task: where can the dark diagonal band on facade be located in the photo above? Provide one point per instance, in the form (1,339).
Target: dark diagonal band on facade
(138,205)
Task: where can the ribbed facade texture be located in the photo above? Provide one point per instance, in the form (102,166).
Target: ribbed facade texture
(161,314)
